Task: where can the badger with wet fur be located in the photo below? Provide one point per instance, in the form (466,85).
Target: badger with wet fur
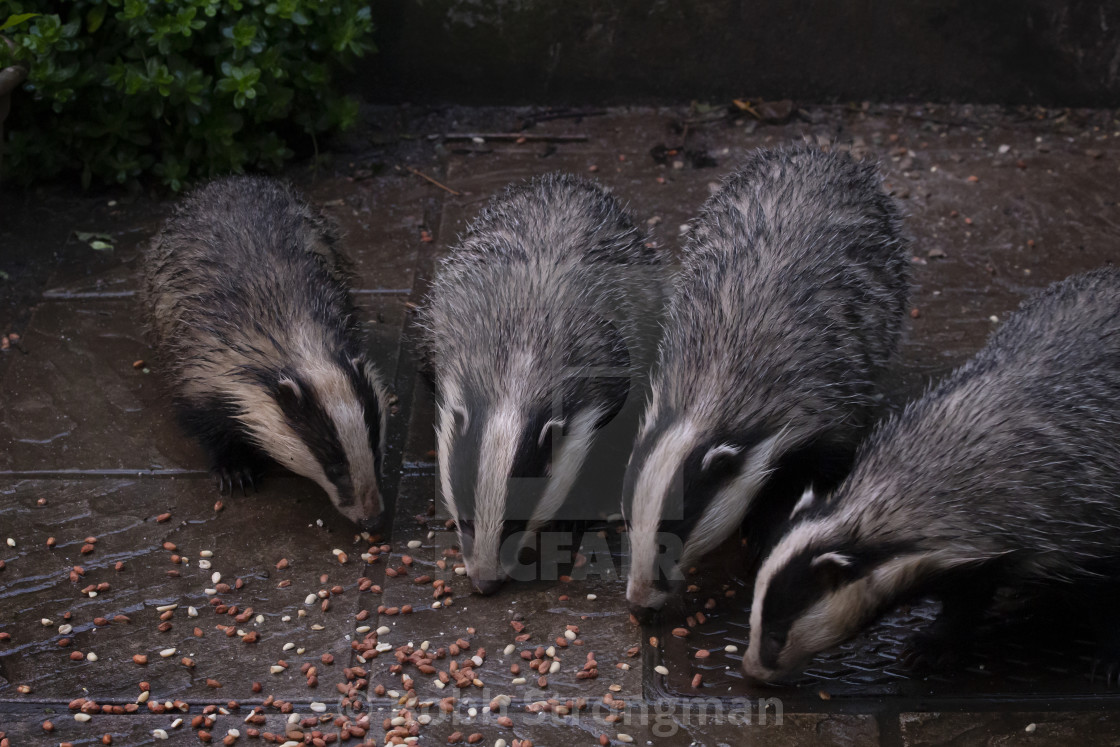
(1007,473)
(251,317)
(783,322)
(538,328)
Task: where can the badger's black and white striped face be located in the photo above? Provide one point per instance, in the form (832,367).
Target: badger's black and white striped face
(507,464)
(687,489)
(325,419)
(818,589)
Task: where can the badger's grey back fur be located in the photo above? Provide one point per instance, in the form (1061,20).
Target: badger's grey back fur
(783,322)
(794,281)
(250,313)
(1007,470)
(1018,449)
(545,312)
(541,268)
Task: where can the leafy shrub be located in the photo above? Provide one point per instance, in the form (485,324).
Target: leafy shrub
(178,88)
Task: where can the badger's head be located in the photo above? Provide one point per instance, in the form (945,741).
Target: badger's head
(509,456)
(687,488)
(821,586)
(324,418)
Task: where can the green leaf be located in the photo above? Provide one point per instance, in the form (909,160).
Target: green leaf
(95,18)
(17,19)
(100,242)
(176,90)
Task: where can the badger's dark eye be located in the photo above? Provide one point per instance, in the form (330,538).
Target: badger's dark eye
(336,471)
(462,420)
(771,649)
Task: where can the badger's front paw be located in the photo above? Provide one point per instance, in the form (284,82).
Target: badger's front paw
(930,651)
(243,477)
(1106,663)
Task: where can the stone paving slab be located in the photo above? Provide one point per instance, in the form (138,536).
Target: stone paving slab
(538,611)
(77,409)
(31,727)
(381,220)
(289,519)
(1013,728)
(77,403)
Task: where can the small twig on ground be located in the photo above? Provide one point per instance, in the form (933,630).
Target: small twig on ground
(515,136)
(533,119)
(705,120)
(422,175)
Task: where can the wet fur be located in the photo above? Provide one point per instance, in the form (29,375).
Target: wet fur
(551,284)
(784,321)
(1007,473)
(250,313)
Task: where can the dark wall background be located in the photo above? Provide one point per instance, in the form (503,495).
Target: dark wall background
(1054,52)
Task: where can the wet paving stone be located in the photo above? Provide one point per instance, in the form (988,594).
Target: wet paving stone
(84,406)
(91,436)
(167,567)
(1017,728)
(216,722)
(569,623)
(381,220)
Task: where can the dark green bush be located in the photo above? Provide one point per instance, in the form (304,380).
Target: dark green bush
(180,89)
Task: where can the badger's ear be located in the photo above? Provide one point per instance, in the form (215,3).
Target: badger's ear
(719,455)
(833,569)
(808,498)
(288,390)
(552,428)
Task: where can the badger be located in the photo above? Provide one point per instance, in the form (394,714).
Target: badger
(250,314)
(783,322)
(1005,474)
(537,329)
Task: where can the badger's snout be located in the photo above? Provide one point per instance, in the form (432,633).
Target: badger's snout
(373,524)
(363,507)
(754,671)
(644,615)
(645,599)
(486,584)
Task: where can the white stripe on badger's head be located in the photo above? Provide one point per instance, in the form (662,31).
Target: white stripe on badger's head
(659,475)
(497,450)
(347,410)
(661,501)
(452,419)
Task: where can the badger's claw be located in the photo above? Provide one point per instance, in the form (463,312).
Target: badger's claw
(930,652)
(228,478)
(1107,662)
(1108,675)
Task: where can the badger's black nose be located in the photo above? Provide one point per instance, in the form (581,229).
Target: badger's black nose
(373,525)
(487,587)
(644,615)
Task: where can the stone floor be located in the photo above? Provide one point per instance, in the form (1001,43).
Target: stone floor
(132,594)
